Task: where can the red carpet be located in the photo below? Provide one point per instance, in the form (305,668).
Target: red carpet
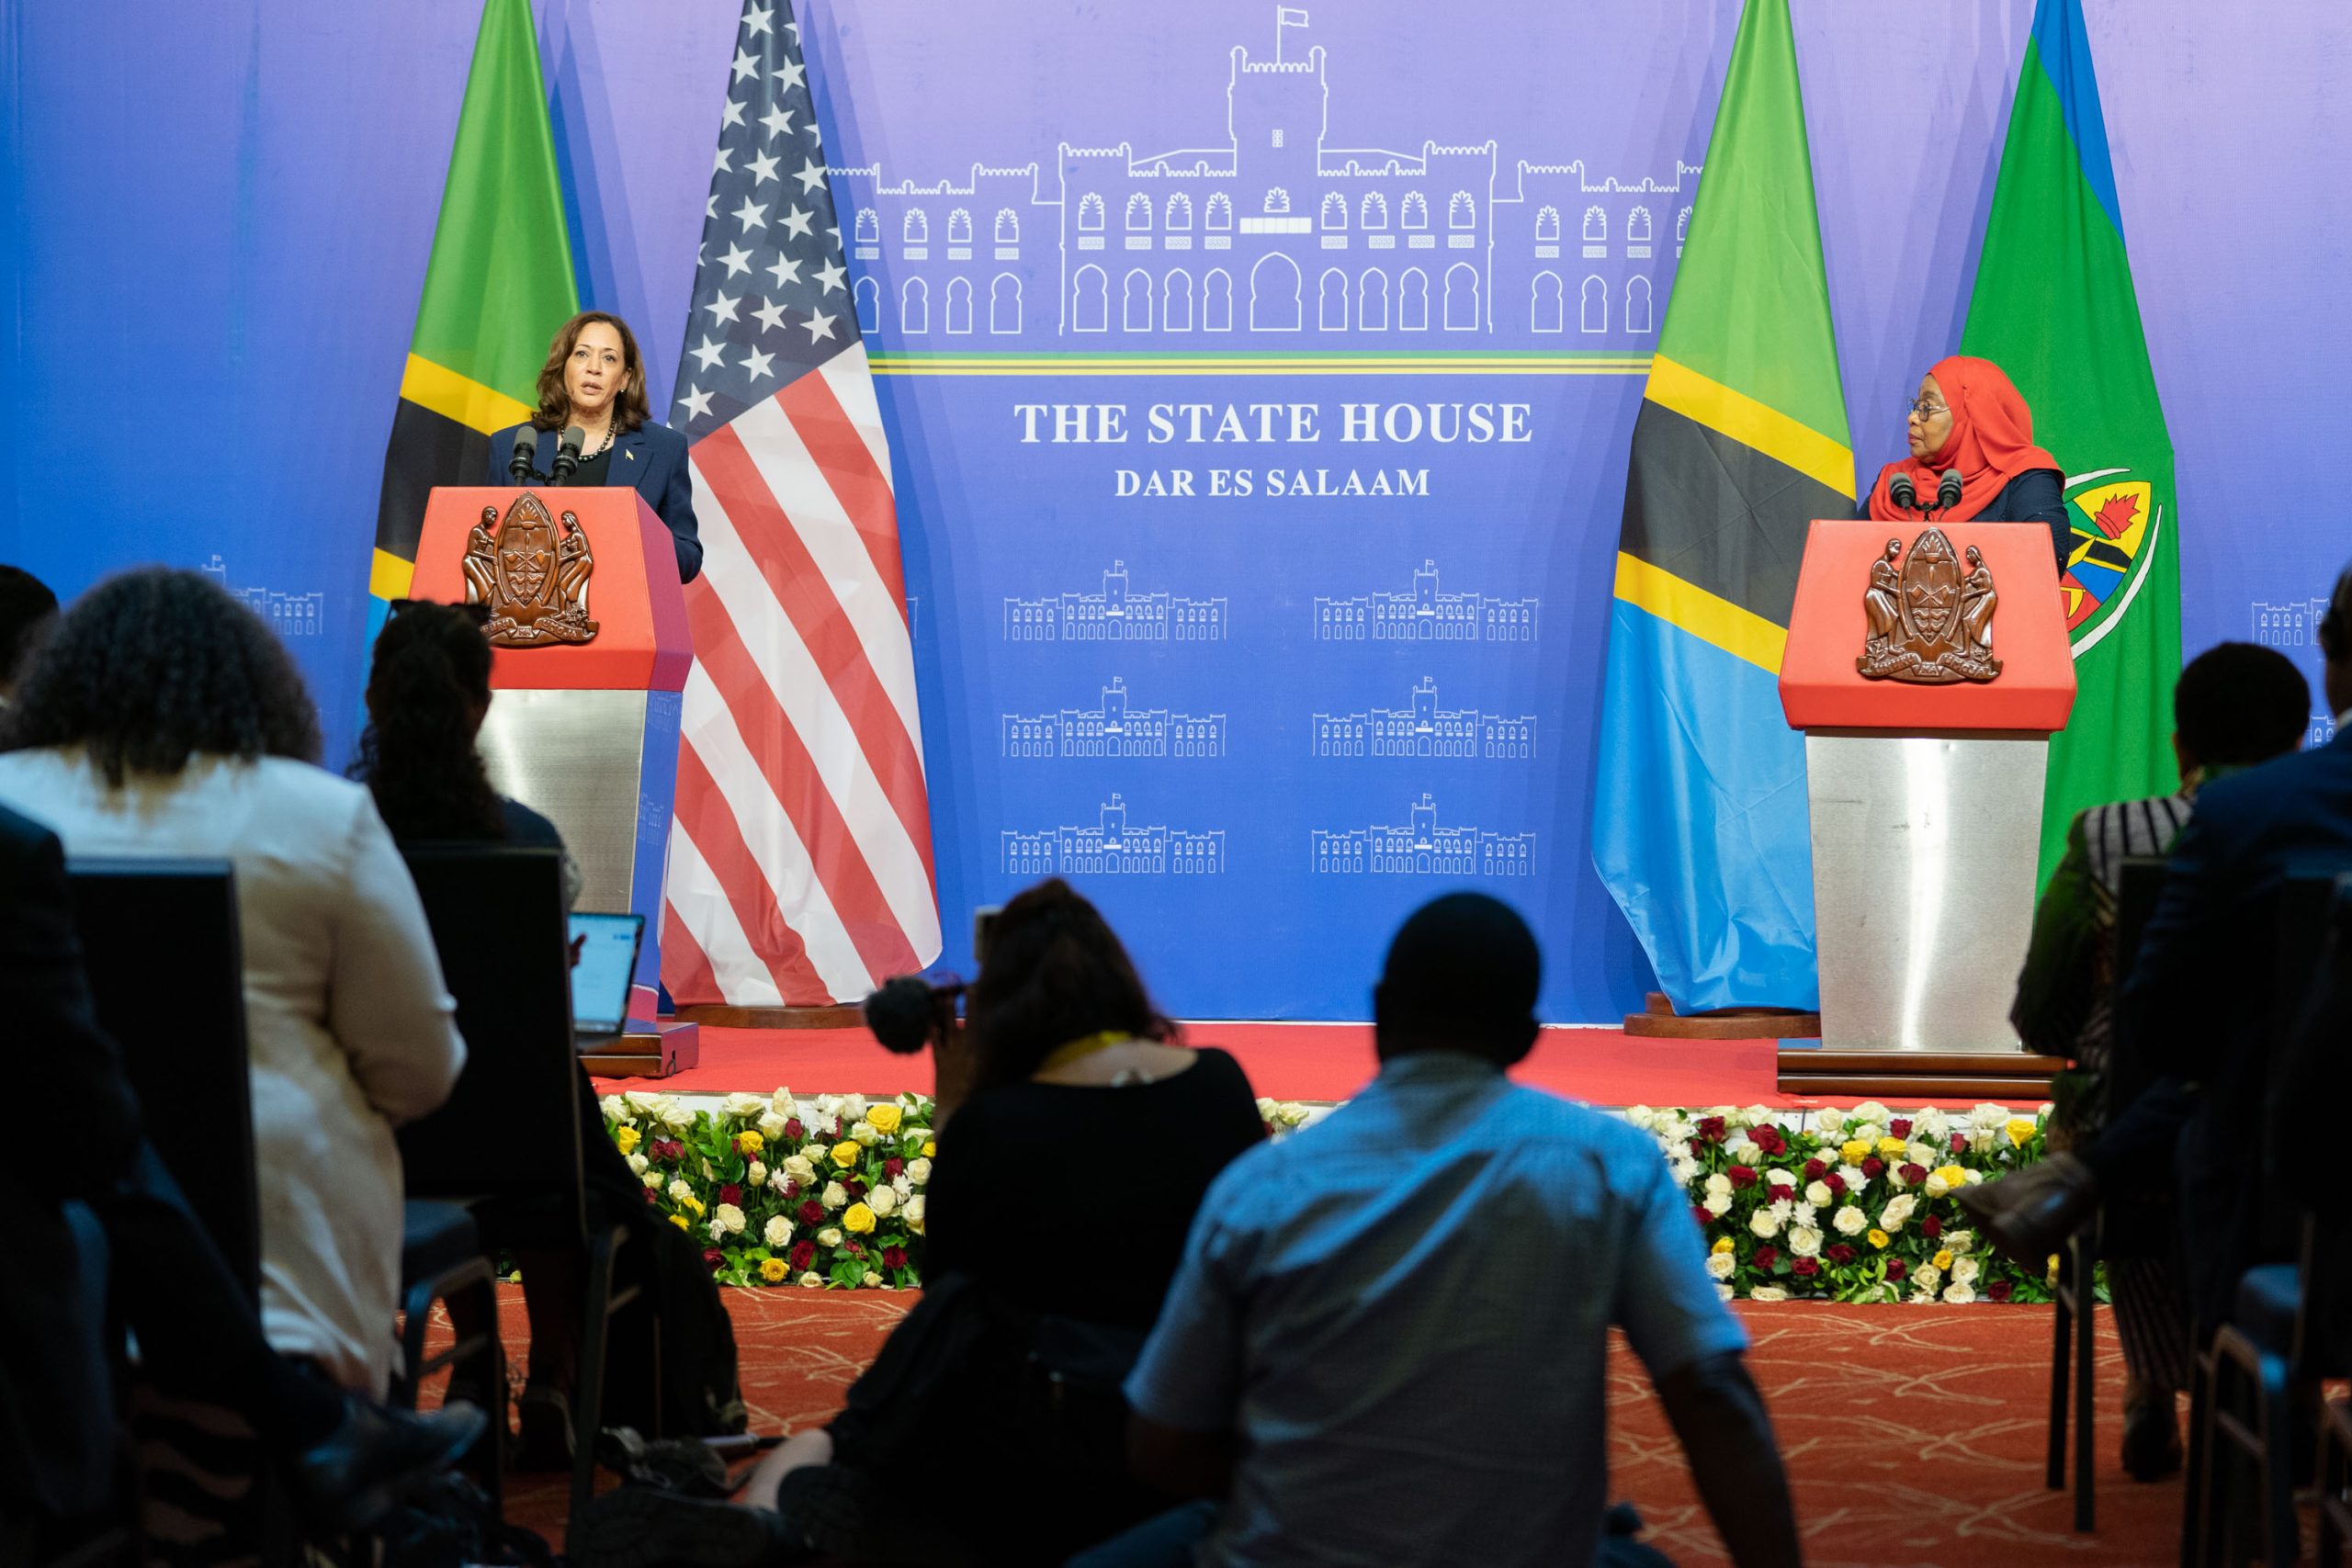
(1913,1435)
(1285,1060)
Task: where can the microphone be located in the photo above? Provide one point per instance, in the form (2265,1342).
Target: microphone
(526,446)
(567,453)
(1899,490)
(1948,491)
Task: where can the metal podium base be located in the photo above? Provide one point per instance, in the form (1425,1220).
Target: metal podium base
(1924,853)
(603,766)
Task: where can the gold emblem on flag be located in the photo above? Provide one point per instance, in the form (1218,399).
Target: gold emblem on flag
(1929,622)
(533,576)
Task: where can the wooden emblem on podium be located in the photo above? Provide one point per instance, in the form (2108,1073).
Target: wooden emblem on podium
(1930,624)
(534,578)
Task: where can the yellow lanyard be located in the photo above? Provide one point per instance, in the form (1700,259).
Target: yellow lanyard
(1063,1056)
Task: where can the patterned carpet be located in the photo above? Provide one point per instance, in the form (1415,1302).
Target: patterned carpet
(1913,1435)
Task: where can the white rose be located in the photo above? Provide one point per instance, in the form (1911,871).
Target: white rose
(730,1217)
(913,1213)
(1963,1270)
(851,1108)
(862,1133)
(797,1168)
(1930,1123)
(1723,1291)
(1926,1278)
(1717,1205)
(1961,1241)
(778,1232)
(680,1192)
(1974,1177)
(1867,1132)
(1851,1175)
(1804,1241)
(1748,1154)
(836,1195)
(1817,1193)
(637,1164)
(718,1230)
(1920,1153)
(829,1105)
(1781,1179)
(1981,1143)
(812,1281)
(882,1200)
(1934,1187)
(783,1105)
(641,1101)
(677,1118)
(1719,1185)
(1767,1293)
(772,1126)
(757,1174)
(1897,1210)
(815,1154)
(1894,1178)
(828,1237)
(742,1107)
(1872,1111)
(1989,1118)
(653,1178)
(1959,1294)
(871,1280)
(1765,1224)
(616,1109)
(1850,1220)
(1720,1265)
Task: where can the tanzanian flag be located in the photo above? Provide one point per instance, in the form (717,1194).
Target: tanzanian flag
(1699,824)
(498,286)
(2055,307)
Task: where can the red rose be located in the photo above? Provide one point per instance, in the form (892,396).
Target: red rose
(1900,1126)
(1931,1227)
(713,1259)
(1999,1291)
(812,1212)
(1764,1138)
(649,1195)
(1914,1174)
(730,1193)
(857,1249)
(1960,1143)
(791,1191)
(1698,1148)
(1765,1258)
(1780,1194)
(1873,1168)
(1896,1267)
(804,1253)
(1815,1170)
(1699,1214)
(1840,1254)
(1835,1183)
(1711,1129)
(794,1132)
(894,1257)
(854,1187)
(1804,1268)
(1741,1178)
(891,1166)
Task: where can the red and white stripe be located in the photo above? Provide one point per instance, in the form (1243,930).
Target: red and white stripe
(800,866)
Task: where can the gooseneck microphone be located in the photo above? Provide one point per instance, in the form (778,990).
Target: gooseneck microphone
(526,446)
(1948,491)
(567,453)
(1899,490)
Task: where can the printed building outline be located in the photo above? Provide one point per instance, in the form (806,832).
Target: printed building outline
(1113,729)
(1113,848)
(1424,730)
(288,615)
(1420,847)
(1115,614)
(1428,613)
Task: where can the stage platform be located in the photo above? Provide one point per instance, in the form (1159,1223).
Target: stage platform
(1314,1062)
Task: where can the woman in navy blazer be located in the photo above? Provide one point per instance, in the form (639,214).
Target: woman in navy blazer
(595,379)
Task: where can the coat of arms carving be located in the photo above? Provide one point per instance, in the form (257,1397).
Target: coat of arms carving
(533,575)
(1930,621)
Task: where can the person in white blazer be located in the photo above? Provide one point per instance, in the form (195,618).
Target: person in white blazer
(163,718)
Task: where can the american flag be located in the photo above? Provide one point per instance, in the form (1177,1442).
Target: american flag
(800,855)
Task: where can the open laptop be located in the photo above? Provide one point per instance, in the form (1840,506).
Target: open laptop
(607,945)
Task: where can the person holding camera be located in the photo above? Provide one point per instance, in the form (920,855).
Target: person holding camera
(991,1428)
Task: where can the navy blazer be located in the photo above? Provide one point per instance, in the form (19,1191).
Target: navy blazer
(652,457)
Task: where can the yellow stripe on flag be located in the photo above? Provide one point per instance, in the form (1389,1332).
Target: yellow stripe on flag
(1752,424)
(389,576)
(1743,634)
(452,396)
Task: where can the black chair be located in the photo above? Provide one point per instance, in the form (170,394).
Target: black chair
(2334,1482)
(160,941)
(507,1144)
(2071,1365)
(2291,1325)
(442,1257)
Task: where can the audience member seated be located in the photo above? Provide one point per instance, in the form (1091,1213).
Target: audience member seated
(162,718)
(198,1336)
(2197,1004)
(428,692)
(1389,1339)
(27,611)
(989,1429)
(2235,704)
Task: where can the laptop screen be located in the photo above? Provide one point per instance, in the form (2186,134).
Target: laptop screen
(600,980)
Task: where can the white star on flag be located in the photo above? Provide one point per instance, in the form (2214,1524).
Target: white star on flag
(776,119)
(757,363)
(710,353)
(819,326)
(830,274)
(696,403)
(751,215)
(755,20)
(811,177)
(722,308)
(763,168)
(771,315)
(798,222)
(745,65)
(737,259)
(785,270)
(734,114)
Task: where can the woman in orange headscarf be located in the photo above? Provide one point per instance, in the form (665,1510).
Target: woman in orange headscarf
(1969,417)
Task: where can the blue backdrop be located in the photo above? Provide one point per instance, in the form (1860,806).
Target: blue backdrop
(217,237)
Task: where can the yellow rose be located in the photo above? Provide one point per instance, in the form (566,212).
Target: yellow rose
(929,1148)
(1878,1237)
(1954,1177)
(857,1219)
(693,1202)
(885,1118)
(1855,1151)
(1723,1243)
(1943,1259)
(1893,1148)
(750,1142)
(627,1139)
(774,1271)
(679,1221)
(845,1153)
(2019,1130)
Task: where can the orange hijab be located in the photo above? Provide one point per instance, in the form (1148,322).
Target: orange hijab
(1991,443)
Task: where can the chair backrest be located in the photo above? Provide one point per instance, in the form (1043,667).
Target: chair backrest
(2140,880)
(510,1127)
(166,968)
(2313,1071)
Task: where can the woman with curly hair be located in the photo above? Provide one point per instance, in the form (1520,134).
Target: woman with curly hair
(162,718)
(594,379)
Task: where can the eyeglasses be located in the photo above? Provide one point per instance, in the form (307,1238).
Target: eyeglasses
(1925,409)
(477,614)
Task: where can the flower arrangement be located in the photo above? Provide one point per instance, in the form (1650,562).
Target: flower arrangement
(1856,1207)
(824,1193)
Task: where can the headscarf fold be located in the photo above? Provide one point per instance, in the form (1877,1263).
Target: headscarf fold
(1991,443)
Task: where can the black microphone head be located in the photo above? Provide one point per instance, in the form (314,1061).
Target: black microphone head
(1899,490)
(574,438)
(1948,491)
(527,440)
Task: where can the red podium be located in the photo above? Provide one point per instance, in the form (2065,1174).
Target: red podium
(1928,665)
(591,652)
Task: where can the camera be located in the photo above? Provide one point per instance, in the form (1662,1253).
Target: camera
(910,1012)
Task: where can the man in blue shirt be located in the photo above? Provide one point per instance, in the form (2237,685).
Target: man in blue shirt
(1388,1341)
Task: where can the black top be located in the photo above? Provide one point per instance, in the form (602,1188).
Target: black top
(1011,1205)
(2037,495)
(596,470)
